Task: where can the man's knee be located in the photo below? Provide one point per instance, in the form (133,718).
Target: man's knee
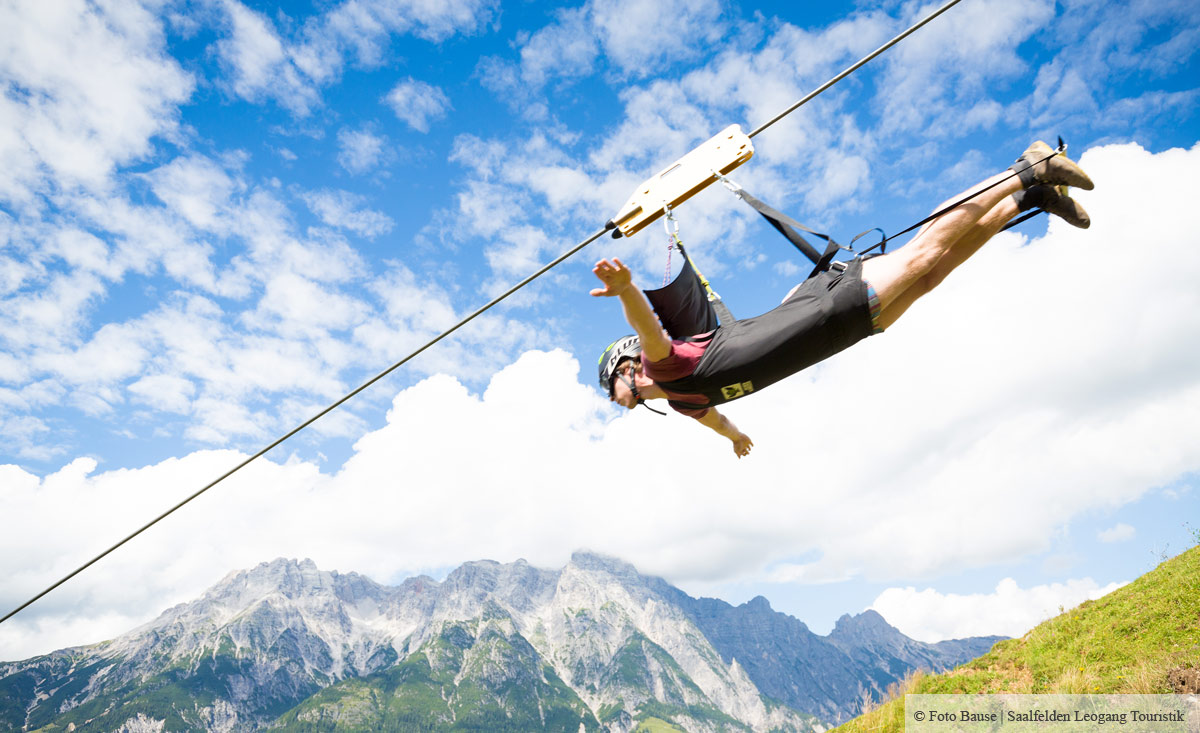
(893,273)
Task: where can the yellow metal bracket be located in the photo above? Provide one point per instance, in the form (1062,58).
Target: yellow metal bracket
(683,179)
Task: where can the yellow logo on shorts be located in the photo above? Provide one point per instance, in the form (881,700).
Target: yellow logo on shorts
(733,391)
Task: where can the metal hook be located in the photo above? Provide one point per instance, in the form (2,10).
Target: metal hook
(669,221)
(735,188)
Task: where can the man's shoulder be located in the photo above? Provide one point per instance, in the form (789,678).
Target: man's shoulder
(681,361)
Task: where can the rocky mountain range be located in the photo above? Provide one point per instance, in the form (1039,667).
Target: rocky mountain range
(594,646)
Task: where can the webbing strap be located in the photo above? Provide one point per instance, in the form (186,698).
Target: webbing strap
(1061,149)
(1022,219)
(787,226)
(723,314)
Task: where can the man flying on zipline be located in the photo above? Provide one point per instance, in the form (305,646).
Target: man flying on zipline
(826,313)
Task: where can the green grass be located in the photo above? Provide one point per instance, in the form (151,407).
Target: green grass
(1124,643)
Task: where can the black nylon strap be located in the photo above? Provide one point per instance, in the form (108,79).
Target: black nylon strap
(1021,219)
(787,226)
(724,316)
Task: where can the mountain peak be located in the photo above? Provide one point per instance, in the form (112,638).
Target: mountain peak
(758,604)
(866,629)
(292,578)
(867,622)
(596,562)
(515,585)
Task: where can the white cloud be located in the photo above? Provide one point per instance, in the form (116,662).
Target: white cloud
(1076,89)
(144,238)
(636,39)
(259,64)
(68,121)
(640,38)
(566,48)
(359,150)
(220,421)
(418,103)
(29,438)
(164,392)
(263,65)
(1120,532)
(365,26)
(115,352)
(285,319)
(43,318)
(184,348)
(1010,610)
(305,304)
(930,77)
(198,190)
(1060,93)
(344,210)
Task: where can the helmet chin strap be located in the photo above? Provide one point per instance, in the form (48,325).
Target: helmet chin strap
(651,409)
(633,388)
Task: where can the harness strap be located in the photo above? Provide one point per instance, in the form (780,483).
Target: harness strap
(787,226)
(723,314)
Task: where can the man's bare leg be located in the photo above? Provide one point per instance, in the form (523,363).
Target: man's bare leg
(896,272)
(903,276)
(967,245)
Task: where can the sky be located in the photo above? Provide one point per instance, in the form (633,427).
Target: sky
(218,217)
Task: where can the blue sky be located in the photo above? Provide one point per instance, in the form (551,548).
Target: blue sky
(219,217)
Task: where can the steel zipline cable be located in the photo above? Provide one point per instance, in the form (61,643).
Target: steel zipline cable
(850,70)
(316,417)
(608,227)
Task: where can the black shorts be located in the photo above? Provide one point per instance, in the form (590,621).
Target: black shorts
(826,314)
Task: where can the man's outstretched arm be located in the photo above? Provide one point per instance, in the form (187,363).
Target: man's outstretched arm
(723,425)
(618,281)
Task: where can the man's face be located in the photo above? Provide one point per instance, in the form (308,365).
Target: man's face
(621,393)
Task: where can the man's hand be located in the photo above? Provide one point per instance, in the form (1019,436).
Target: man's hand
(615,276)
(618,281)
(742,445)
(724,426)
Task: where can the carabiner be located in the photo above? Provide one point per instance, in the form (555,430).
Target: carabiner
(669,222)
(736,189)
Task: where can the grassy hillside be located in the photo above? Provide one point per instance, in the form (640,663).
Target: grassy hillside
(1127,642)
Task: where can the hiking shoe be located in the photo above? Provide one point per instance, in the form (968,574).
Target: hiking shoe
(1053,200)
(1040,164)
